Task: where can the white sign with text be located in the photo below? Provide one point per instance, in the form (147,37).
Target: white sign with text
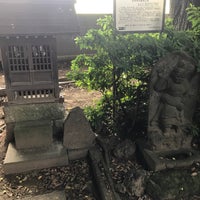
(139,15)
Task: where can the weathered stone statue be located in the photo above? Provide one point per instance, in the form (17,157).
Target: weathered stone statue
(172,102)
(173,95)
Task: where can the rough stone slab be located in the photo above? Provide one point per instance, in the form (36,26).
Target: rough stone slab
(157,161)
(33,134)
(31,112)
(57,195)
(77,131)
(17,161)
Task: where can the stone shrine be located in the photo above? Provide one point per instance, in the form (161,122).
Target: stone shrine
(34,111)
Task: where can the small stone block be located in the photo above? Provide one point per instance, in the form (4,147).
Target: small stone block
(77,131)
(17,161)
(57,195)
(33,134)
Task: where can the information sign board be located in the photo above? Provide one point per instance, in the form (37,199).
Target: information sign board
(139,15)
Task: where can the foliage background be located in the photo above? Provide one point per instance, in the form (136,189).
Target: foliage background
(120,69)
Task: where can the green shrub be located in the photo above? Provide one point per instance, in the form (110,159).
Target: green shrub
(120,69)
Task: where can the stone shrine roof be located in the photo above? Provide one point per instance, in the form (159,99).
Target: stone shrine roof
(37,17)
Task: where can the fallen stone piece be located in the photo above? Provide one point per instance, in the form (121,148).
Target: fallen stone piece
(56,195)
(101,176)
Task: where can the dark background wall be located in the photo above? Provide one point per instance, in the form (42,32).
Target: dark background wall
(66,47)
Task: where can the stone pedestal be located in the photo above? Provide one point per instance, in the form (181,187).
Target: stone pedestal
(33,134)
(17,161)
(35,129)
(161,160)
(51,114)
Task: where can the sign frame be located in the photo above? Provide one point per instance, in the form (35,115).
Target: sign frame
(138,9)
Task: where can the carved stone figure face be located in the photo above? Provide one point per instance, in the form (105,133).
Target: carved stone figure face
(179,73)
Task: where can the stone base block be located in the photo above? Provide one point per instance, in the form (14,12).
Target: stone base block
(21,113)
(33,134)
(17,161)
(160,160)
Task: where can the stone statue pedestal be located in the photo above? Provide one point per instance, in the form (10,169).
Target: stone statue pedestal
(168,159)
(35,129)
